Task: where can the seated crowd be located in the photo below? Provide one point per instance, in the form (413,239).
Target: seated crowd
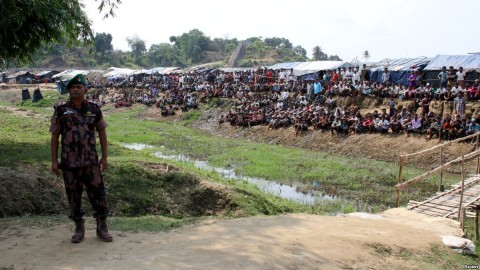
(277,98)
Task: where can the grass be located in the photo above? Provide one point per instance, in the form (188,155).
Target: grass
(433,258)
(369,180)
(131,224)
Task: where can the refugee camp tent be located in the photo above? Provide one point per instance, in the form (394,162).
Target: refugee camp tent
(37,95)
(3,77)
(308,70)
(399,69)
(62,79)
(21,77)
(62,87)
(26,94)
(470,64)
(68,74)
(47,74)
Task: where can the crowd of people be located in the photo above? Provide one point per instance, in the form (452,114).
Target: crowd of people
(278,98)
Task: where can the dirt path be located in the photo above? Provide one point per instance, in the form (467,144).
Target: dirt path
(296,241)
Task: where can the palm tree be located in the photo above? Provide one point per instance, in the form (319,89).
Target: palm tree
(317,53)
(366,55)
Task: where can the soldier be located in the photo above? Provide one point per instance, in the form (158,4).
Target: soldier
(76,122)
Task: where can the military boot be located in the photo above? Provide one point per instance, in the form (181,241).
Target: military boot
(77,237)
(102,230)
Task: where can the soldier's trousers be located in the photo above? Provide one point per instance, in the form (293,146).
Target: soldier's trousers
(90,177)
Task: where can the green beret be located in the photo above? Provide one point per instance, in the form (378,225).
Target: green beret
(78,79)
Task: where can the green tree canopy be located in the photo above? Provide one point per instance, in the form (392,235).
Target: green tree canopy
(103,43)
(28,25)
(137,46)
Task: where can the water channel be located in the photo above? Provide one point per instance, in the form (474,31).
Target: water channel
(271,187)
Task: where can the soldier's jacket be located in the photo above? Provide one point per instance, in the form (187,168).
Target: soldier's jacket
(77,128)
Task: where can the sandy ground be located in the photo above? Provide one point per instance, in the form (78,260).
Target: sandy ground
(296,241)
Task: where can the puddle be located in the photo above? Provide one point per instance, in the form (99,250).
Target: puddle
(281,190)
(136,146)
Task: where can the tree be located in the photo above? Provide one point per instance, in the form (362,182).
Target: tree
(318,54)
(161,55)
(191,46)
(28,25)
(300,51)
(137,46)
(103,43)
(334,58)
(366,55)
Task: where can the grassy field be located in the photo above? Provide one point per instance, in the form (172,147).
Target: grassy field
(371,181)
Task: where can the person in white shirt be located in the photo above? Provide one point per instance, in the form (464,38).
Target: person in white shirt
(356,77)
(460,77)
(383,125)
(281,76)
(285,94)
(386,76)
(456,89)
(291,76)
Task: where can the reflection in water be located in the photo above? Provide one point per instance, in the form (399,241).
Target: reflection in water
(284,191)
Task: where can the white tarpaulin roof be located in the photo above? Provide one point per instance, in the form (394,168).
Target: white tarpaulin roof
(118,72)
(302,68)
(69,73)
(401,64)
(468,62)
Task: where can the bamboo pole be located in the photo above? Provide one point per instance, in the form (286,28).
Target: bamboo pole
(440,187)
(400,170)
(461,192)
(478,158)
(475,223)
(448,164)
(440,146)
(397,203)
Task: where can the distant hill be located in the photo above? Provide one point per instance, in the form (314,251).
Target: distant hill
(189,49)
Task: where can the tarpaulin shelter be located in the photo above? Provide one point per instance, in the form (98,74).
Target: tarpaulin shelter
(46,75)
(470,64)
(399,69)
(308,70)
(21,77)
(235,69)
(62,79)
(68,74)
(62,87)
(3,77)
(26,94)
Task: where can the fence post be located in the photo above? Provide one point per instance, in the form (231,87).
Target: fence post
(441,188)
(397,203)
(461,192)
(475,223)
(478,158)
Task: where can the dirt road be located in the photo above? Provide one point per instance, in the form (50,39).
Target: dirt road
(296,241)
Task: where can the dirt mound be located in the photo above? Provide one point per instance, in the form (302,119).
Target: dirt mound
(386,147)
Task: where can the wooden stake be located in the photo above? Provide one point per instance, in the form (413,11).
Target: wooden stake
(440,187)
(461,192)
(475,224)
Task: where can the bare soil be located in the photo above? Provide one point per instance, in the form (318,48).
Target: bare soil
(295,241)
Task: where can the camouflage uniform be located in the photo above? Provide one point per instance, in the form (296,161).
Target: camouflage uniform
(79,159)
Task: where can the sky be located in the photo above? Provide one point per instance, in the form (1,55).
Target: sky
(387,29)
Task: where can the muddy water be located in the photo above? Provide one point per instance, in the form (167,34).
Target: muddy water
(271,187)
